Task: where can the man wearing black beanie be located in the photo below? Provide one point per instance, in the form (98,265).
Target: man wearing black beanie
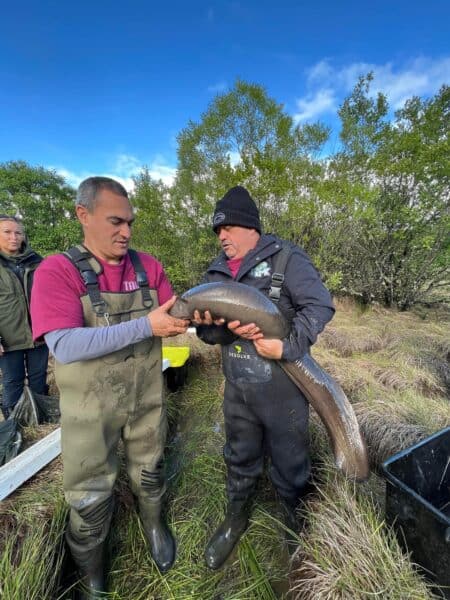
(265,413)
(237,208)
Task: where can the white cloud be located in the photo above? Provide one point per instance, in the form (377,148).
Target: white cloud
(217,88)
(327,85)
(423,77)
(320,72)
(163,172)
(74,179)
(71,178)
(314,105)
(125,166)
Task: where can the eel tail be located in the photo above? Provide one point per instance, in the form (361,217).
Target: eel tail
(335,411)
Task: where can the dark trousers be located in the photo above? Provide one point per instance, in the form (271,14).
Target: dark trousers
(17,365)
(266,419)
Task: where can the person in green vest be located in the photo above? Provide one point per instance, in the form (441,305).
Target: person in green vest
(103,310)
(20,357)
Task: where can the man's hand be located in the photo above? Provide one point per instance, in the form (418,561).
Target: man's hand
(2,350)
(206,319)
(162,324)
(269,348)
(249,331)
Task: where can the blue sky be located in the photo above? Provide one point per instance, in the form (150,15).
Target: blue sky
(105,87)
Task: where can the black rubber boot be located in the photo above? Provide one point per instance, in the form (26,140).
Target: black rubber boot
(227,535)
(91,568)
(292,521)
(158,535)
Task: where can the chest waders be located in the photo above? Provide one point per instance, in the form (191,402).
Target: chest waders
(117,396)
(264,414)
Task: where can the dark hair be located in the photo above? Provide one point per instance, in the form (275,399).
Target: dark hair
(90,187)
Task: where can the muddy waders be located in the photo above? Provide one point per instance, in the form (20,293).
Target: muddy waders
(265,415)
(116,396)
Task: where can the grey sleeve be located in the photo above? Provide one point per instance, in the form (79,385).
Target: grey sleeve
(85,343)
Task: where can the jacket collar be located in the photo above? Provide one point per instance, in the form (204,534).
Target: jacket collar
(267,245)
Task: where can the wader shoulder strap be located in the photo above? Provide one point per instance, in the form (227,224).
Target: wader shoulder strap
(89,268)
(279,267)
(141,278)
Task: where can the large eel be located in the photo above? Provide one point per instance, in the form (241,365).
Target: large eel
(236,301)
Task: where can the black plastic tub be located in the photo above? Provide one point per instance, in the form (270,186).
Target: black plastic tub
(418,504)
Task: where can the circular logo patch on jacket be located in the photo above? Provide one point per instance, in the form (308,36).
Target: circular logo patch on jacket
(261,270)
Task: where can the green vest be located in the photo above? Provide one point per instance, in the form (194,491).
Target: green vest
(15,323)
(81,377)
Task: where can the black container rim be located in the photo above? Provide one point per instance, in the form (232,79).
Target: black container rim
(397,482)
(407,451)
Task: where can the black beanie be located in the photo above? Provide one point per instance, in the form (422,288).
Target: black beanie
(237,208)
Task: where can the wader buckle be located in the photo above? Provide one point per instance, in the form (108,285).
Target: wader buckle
(276,284)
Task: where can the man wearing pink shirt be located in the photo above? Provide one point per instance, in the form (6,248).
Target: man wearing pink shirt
(103,308)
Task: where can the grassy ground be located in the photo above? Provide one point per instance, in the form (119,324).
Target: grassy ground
(394,368)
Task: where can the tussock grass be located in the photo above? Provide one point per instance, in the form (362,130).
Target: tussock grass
(393,366)
(346,343)
(352,374)
(33,434)
(400,383)
(432,413)
(257,569)
(400,372)
(32,543)
(386,433)
(346,553)
(196,506)
(398,386)
(398,420)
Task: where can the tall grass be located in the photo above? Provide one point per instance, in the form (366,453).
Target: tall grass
(32,549)
(196,505)
(393,367)
(347,554)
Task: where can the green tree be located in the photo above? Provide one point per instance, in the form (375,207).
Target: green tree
(157,227)
(246,138)
(396,249)
(44,202)
(363,123)
(414,167)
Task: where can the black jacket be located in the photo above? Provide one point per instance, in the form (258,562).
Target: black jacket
(304,300)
